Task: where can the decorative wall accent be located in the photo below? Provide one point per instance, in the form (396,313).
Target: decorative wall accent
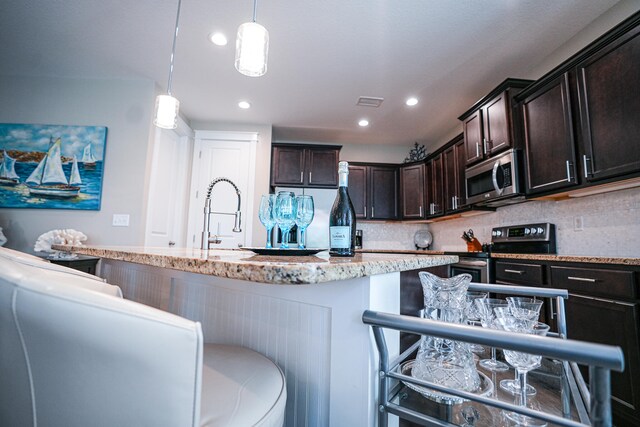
(51,166)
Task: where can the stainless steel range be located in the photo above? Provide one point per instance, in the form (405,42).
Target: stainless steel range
(538,238)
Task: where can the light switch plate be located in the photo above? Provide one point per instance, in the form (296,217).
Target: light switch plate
(578,223)
(120,220)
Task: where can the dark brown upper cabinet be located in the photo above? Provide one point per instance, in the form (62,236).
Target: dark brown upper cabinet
(304,165)
(580,121)
(435,186)
(454,159)
(608,86)
(412,191)
(373,189)
(549,143)
(488,126)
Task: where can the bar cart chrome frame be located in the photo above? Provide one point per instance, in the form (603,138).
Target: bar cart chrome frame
(600,358)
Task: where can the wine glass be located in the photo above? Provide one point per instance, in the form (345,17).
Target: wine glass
(285,215)
(266,215)
(522,362)
(519,307)
(473,315)
(485,308)
(304,216)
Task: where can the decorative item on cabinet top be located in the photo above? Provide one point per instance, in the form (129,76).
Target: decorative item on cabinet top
(418,152)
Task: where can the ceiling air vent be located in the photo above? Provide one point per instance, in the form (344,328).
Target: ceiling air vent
(369,101)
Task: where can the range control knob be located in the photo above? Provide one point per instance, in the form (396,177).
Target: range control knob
(498,233)
(540,230)
(494,233)
(527,231)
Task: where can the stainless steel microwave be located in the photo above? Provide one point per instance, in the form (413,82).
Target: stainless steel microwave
(496,181)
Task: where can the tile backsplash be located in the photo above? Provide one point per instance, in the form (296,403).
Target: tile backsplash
(603,224)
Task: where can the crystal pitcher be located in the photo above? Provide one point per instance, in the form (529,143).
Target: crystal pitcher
(441,361)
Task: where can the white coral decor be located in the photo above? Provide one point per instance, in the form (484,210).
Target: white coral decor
(67,236)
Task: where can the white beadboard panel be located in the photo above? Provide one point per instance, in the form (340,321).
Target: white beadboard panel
(140,285)
(294,335)
(313,332)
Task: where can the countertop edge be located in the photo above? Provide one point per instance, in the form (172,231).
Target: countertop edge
(267,270)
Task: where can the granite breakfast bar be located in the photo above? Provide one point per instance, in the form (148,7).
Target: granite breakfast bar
(302,312)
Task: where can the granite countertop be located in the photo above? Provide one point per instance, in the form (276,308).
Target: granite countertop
(246,265)
(590,259)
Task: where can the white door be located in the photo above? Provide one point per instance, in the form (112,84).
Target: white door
(168,187)
(228,155)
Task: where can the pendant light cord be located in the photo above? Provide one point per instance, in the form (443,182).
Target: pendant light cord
(255,8)
(173,49)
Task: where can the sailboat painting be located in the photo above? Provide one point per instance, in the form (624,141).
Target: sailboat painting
(51,166)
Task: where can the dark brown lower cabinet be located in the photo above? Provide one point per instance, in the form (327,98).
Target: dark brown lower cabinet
(615,323)
(85,263)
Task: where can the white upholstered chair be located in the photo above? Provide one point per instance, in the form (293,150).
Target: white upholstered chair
(73,353)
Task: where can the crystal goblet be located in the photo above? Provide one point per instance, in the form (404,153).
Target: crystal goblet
(522,362)
(266,215)
(473,315)
(517,305)
(485,308)
(285,214)
(304,216)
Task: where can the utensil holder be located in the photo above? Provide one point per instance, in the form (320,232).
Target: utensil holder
(474,246)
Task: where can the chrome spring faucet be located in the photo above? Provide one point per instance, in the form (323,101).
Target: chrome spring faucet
(207,239)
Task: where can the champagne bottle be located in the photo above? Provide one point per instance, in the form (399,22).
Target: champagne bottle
(342,220)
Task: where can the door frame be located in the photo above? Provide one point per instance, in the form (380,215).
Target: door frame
(185,134)
(195,203)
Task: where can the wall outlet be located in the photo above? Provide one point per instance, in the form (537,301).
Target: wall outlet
(120,220)
(578,223)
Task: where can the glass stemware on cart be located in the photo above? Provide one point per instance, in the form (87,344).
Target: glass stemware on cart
(522,307)
(485,308)
(304,216)
(522,362)
(473,316)
(266,215)
(285,215)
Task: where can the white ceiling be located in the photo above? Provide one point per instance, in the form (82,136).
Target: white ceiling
(323,55)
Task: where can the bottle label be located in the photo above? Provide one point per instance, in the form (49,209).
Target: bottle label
(340,237)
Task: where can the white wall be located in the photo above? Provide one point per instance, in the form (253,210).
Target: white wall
(595,29)
(263,167)
(125,107)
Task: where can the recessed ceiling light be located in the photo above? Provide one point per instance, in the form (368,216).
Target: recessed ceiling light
(411,101)
(363,122)
(244,105)
(218,39)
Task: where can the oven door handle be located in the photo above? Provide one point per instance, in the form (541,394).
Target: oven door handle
(470,263)
(494,178)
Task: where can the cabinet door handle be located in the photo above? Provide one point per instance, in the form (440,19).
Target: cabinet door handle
(585,159)
(420,211)
(582,279)
(513,271)
(301,177)
(569,164)
(373,212)
(477,149)
(365,211)
(309,177)
(484,145)
(453,202)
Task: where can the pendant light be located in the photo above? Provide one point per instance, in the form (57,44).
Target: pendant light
(252,47)
(167,106)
